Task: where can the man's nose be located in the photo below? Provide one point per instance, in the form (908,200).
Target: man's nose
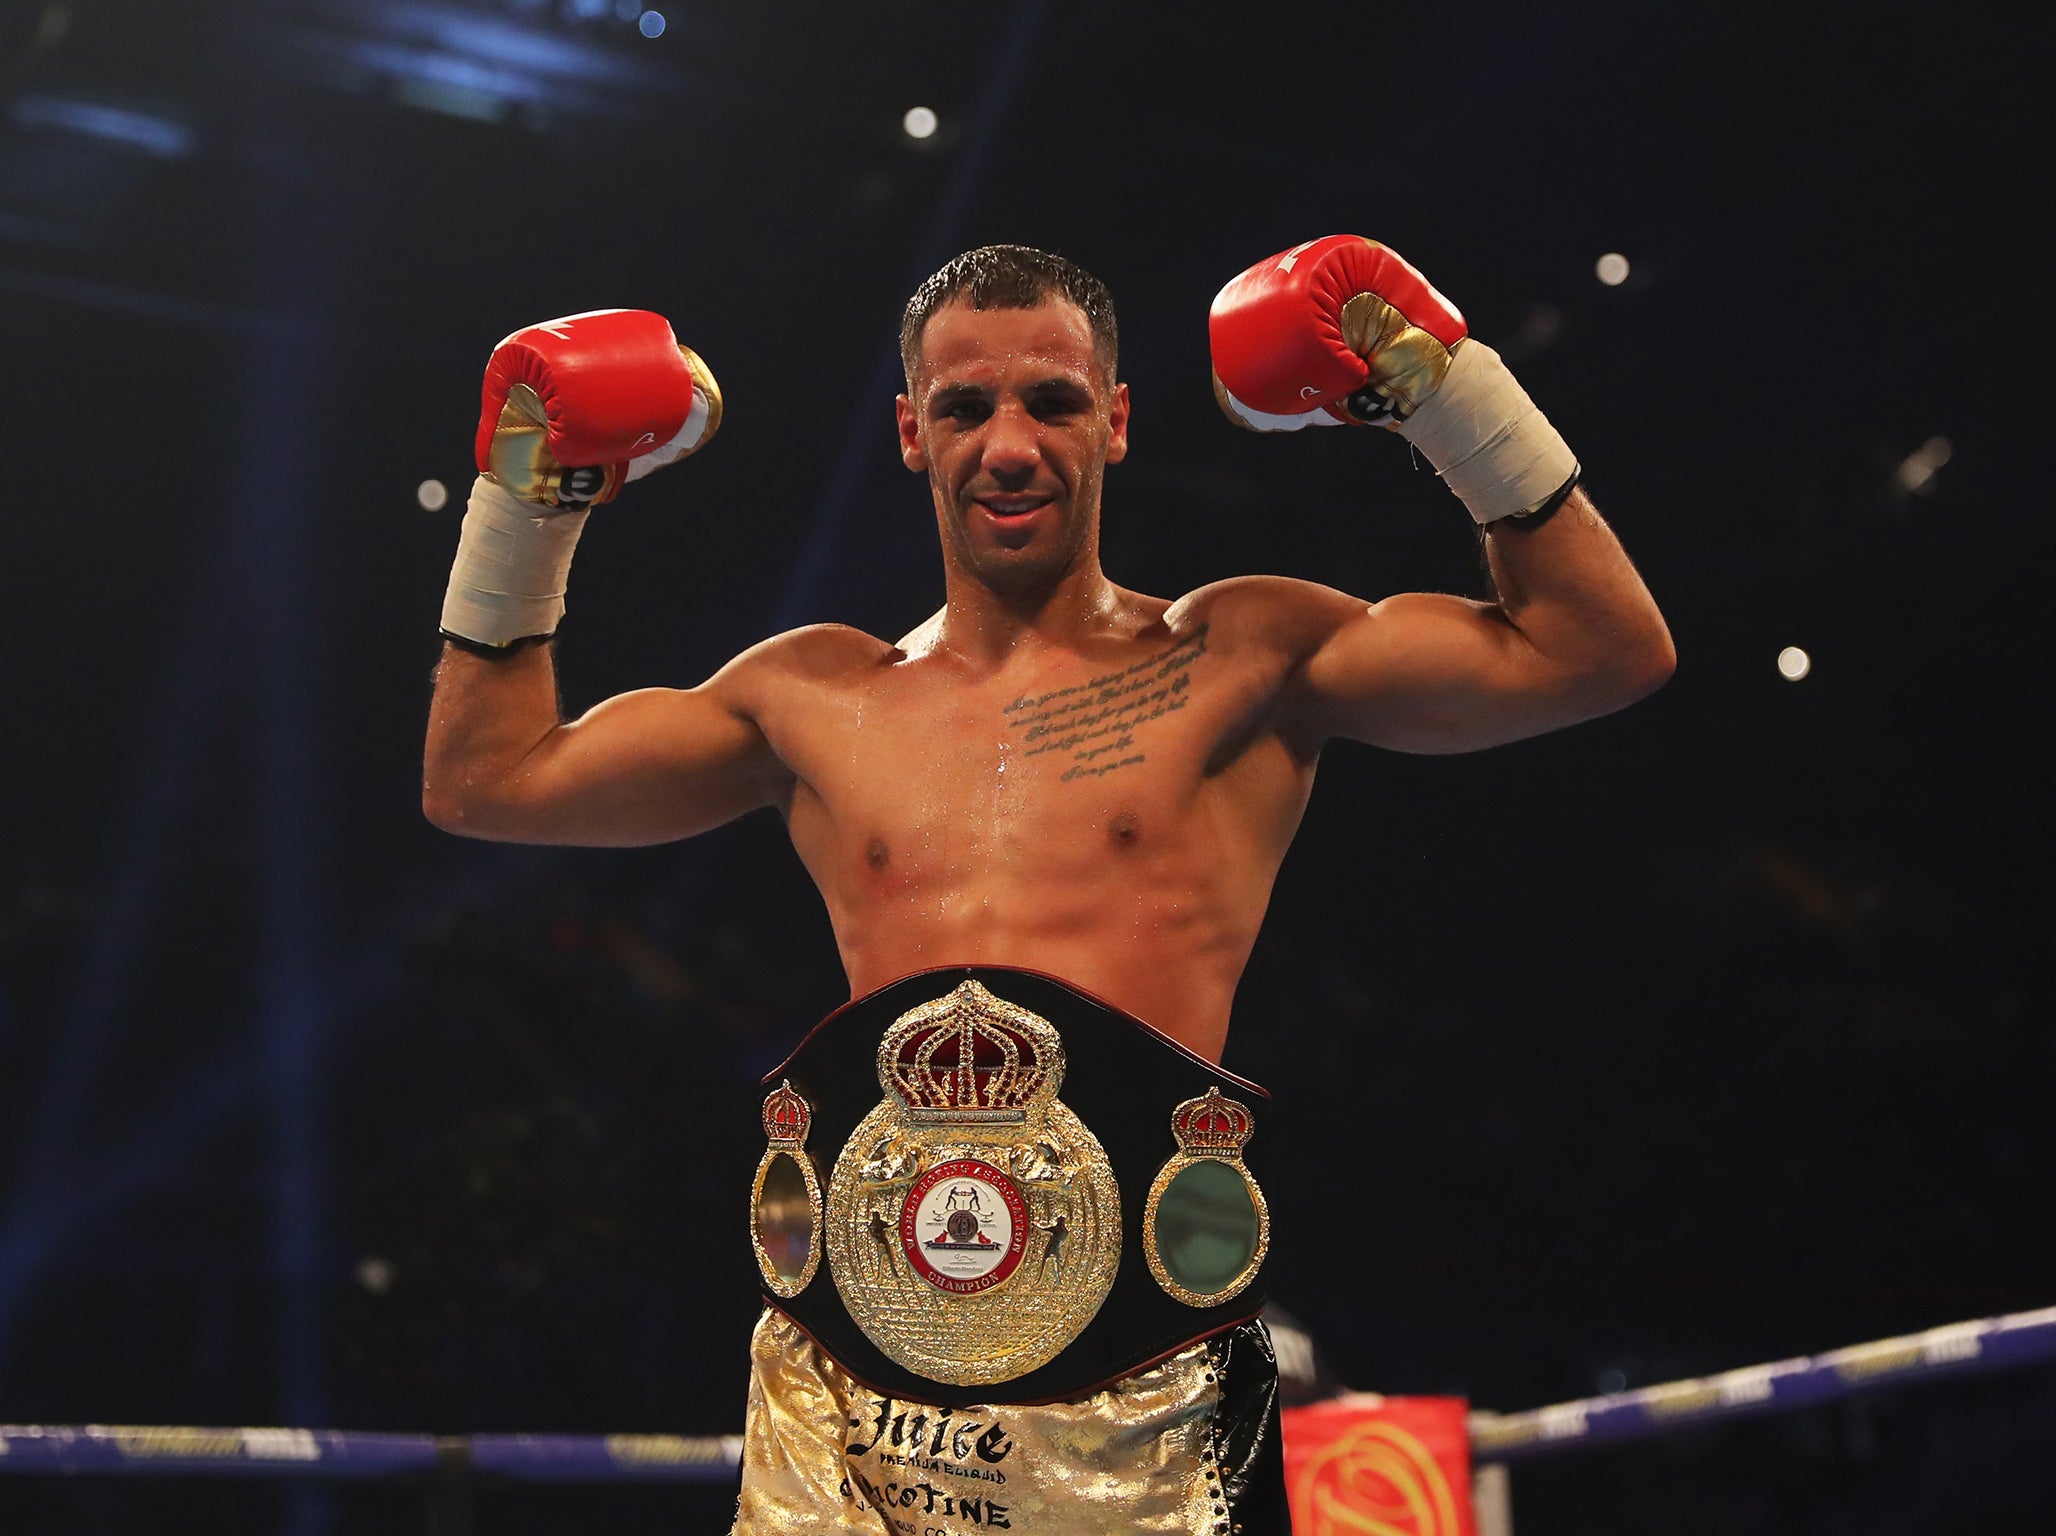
(1013,443)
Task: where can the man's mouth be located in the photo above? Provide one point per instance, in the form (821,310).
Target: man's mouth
(1013,508)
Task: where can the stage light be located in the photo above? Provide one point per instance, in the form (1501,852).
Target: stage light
(920,123)
(651,24)
(1793,664)
(433,495)
(375,1274)
(1918,470)
(1612,269)
(162,137)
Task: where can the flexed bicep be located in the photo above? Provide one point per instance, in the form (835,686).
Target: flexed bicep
(644,767)
(1426,672)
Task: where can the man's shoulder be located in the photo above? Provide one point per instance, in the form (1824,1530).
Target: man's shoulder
(814,653)
(1269,612)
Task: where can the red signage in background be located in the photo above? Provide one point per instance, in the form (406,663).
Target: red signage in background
(1379,1466)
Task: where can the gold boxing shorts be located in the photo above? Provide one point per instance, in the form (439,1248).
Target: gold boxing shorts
(1189,1446)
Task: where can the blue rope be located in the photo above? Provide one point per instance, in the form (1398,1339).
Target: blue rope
(1984,1344)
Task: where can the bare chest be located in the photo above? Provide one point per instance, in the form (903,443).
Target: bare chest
(925,777)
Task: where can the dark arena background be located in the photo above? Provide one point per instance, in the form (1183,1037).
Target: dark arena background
(1711,1033)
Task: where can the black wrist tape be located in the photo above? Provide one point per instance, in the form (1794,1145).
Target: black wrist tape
(1528,521)
(472,647)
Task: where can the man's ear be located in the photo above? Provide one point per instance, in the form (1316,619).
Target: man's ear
(912,454)
(1117,426)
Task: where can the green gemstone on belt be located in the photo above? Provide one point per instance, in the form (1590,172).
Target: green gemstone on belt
(1206,1227)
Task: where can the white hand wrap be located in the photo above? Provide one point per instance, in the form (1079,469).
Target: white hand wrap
(512,561)
(1486,438)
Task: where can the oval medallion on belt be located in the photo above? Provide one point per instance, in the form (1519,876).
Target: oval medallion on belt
(974,1225)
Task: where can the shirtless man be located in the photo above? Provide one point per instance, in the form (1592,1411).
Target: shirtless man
(1052,772)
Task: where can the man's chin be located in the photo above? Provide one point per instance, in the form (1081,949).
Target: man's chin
(1019,572)
(1015,561)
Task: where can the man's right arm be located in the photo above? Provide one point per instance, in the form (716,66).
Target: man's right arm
(645,767)
(572,410)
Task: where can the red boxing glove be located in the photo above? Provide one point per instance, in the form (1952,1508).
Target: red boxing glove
(1343,330)
(575,408)
(1340,325)
(572,410)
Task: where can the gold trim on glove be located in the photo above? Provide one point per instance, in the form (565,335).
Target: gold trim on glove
(520,459)
(1406,362)
(704,386)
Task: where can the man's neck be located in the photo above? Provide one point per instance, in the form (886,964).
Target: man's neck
(986,627)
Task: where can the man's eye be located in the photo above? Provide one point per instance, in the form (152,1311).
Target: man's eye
(967,410)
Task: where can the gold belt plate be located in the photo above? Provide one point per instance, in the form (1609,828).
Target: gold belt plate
(973,1222)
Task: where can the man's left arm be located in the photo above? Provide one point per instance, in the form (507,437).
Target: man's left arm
(1344,330)
(1572,635)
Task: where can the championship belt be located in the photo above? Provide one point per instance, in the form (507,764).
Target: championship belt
(1031,1194)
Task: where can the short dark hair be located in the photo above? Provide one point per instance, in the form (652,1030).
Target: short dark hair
(1011,277)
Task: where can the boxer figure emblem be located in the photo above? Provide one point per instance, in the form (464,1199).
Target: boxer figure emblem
(974,1225)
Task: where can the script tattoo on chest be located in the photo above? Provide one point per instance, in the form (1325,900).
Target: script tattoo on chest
(1096,723)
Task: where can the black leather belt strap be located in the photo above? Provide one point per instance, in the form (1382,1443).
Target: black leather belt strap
(1123,1079)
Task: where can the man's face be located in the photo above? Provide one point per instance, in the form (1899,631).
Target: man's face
(1014,421)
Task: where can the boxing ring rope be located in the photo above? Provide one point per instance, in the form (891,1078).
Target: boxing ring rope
(1808,1381)
(1982,1344)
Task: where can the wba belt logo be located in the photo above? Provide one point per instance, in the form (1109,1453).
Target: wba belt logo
(963,1226)
(973,1223)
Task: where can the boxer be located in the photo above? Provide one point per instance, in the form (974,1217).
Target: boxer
(1045,823)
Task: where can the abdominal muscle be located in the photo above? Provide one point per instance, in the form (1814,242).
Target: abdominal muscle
(1167,950)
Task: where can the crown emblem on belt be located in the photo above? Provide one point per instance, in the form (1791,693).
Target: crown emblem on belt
(785,1200)
(1212,1125)
(787,1118)
(1206,1226)
(969,1058)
